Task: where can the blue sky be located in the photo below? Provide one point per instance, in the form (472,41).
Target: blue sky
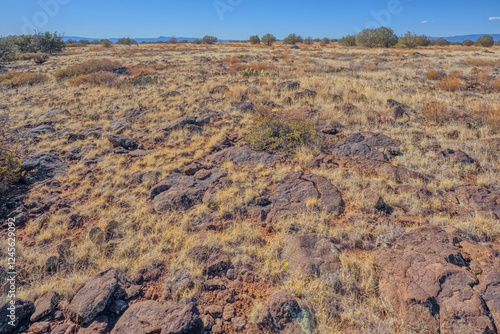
(238,19)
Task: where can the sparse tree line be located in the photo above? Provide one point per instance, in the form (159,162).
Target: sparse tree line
(380,37)
(385,37)
(40,46)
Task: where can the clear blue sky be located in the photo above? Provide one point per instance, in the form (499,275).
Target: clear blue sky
(238,19)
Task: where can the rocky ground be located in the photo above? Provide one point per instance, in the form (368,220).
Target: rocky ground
(169,206)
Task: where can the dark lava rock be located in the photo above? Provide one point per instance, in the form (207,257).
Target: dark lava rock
(284,313)
(15,311)
(181,192)
(243,156)
(42,166)
(123,141)
(289,85)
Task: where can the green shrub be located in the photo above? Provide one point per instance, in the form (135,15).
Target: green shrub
(41,58)
(209,40)
(441,42)
(197,41)
(106,43)
(10,154)
(48,43)
(486,41)
(379,37)
(7,50)
(273,133)
(24,43)
(254,39)
(467,42)
(90,66)
(349,40)
(410,40)
(308,41)
(325,41)
(293,39)
(268,39)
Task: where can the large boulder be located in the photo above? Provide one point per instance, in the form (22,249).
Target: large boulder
(45,304)
(54,113)
(123,141)
(289,85)
(298,192)
(42,166)
(193,121)
(311,255)
(440,280)
(370,153)
(181,192)
(472,200)
(284,313)
(93,297)
(243,156)
(37,131)
(153,317)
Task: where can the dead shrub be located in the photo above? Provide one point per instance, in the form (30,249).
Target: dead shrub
(101,78)
(434,74)
(231,60)
(481,74)
(481,62)
(495,84)
(450,84)
(370,67)
(456,74)
(487,114)
(434,111)
(90,66)
(17,79)
(138,69)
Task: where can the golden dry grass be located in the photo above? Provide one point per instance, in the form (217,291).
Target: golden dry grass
(350,89)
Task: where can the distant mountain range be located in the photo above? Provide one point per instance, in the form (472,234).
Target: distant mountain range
(139,40)
(460,39)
